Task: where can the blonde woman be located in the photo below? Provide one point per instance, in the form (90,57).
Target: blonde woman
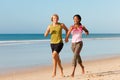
(55,30)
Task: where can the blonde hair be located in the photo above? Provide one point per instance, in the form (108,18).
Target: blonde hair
(54,15)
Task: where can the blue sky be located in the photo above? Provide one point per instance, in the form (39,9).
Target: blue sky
(33,16)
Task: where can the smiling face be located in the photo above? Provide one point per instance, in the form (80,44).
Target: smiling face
(55,18)
(76,20)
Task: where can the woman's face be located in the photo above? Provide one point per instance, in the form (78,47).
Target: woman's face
(76,20)
(55,19)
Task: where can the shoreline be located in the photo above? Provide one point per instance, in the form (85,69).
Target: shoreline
(94,69)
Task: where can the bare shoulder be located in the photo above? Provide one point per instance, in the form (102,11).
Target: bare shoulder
(85,29)
(83,26)
(62,24)
(71,27)
(49,26)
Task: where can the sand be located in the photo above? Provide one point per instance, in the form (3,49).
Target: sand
(102,69)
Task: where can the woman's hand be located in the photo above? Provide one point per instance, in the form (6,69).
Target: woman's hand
(66,40)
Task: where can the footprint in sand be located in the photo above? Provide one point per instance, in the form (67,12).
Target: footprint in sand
(103,74)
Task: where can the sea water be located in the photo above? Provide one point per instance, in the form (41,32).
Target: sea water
(29,50)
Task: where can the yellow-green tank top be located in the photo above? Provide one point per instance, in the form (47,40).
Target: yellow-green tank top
(56,33)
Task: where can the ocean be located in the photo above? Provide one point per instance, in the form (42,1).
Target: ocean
(30,50)
(10,37)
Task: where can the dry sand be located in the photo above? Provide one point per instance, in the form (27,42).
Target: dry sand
(102,69)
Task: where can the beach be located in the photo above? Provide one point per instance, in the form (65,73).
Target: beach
(100,69)
(27,59)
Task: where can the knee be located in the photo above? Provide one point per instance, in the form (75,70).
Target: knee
(54,55)
(75,56)
(59,61)
(80,62)
(75,65)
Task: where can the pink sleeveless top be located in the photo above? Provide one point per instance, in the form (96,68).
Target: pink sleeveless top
(76,34)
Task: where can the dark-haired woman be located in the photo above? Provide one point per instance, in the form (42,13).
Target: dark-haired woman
(76,31)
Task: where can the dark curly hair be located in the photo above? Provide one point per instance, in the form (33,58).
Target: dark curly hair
(78,16)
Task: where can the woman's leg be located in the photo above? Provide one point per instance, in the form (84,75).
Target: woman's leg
(74,64)
(74,61)
(73,72)
(54,57)
(60,66)
(82,67)
(79,48)
(80,63)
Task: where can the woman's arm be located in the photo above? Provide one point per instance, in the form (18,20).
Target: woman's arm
(86,31)
(65,28)
(68,34)
(47,31)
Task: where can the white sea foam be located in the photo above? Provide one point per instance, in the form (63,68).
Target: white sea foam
(17,42)
(111,38)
